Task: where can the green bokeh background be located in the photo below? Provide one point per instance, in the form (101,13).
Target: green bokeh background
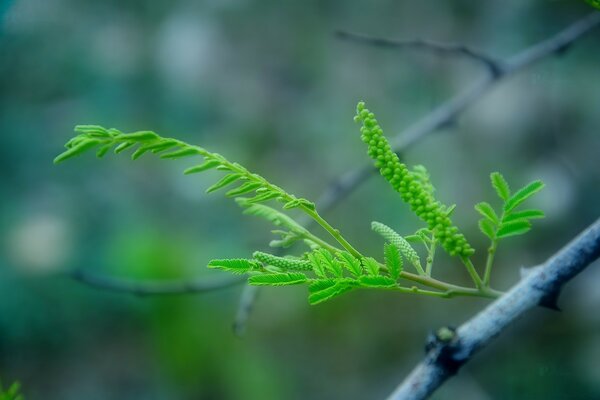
(267,84)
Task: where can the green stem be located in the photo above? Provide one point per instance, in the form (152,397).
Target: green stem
(332,231)
(489,263)
(430,257)
(473,273)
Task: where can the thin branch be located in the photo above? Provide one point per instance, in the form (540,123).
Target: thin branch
(541,286)
(448,112)
(494,66)
(155,288)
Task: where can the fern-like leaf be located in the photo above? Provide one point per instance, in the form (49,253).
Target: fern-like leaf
(235,265)
(371,266)
(393,261)
(351,263)
(292,278)
(323,290)
(93,136)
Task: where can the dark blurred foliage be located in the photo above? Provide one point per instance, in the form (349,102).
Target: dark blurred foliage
(269,85)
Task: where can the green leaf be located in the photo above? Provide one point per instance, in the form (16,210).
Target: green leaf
(245,188)
(319,268)
(226,180)
(393,260)
(185,152)
(488,228)
(124,146)
(376,281)
(277,218)
(142,136)
(268,195)
(513,228)
(500,184)
(320,292)
(525,214)
(103,150)
(76,150)
(292,278)
(206,165)
(486,210)
(235,265)
(329,261)
(371,266)
(523,194)
(93,130)
(351,263)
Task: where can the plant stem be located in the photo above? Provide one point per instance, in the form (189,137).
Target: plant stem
(332,231)
(473,273)
(489,263)
(430,257)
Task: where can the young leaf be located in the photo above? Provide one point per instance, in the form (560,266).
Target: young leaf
(317,264)
(226,180)
(245,188)
(486,210)
(329,261)
(523,194)
(124,146)
(371,266)
(206,165)
(513,228)
(185,152)
(320,292)
(292,278)
(376,281)
(81,147)
(525,214)
(393,261)
(488,228)
(235,265)
(277,218)
(500,184)
(351,263)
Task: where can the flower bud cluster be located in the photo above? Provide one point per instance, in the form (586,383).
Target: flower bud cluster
(282,262)
(410,187)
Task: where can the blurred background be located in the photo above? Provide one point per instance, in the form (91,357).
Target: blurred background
(268,84)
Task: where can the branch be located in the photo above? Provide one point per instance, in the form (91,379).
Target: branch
(541,286)
(492,64)
(155,288)
(448,112)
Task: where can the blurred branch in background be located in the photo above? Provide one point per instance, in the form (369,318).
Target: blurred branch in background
(155,288)
(541,286)
(494,66)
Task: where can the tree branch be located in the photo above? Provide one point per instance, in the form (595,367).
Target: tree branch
(541,286)
(155,288)
(494,66)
